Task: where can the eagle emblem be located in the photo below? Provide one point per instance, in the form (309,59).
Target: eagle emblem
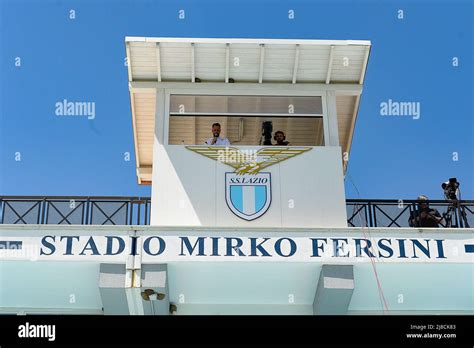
(248,162)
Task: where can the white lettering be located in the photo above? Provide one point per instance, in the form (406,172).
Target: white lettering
(37,331)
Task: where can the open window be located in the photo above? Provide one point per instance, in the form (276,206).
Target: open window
(242,119)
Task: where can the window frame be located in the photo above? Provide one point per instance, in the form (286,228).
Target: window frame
(275,91)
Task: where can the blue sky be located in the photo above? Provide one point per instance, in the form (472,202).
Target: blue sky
(82,59)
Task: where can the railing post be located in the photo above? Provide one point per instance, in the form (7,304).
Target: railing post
(130,217)
(43,211)
(369,207)
(460,223)
(1,210)
(87,202)
(139,212)
(147,218)
(366,216)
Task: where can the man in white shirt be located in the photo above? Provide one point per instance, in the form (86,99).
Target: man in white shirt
(216,139)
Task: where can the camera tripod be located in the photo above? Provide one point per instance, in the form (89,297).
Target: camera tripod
(448,215)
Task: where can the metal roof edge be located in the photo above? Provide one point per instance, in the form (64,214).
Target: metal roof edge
(249,41)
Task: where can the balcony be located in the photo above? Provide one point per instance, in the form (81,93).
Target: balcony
(81,210)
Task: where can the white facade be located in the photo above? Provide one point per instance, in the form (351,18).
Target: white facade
(189,190)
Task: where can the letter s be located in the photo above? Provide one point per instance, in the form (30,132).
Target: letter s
(48,245)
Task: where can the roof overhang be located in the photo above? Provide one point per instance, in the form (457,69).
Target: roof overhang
(163,62)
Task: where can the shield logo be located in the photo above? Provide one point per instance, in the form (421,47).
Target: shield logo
(249,195)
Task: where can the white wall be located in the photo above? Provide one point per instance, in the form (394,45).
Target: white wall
(189,190)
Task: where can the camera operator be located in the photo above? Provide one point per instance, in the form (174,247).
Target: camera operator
(424,216)
(280,138)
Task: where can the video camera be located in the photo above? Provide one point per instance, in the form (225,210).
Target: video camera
(267,129)
(451,189)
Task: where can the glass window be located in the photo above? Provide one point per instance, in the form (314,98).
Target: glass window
(195,130)
(246,120)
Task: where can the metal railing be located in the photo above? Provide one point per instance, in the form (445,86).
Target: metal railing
(69,210)
(396,213)
(75,210)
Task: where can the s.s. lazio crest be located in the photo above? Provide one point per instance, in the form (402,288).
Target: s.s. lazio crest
(248,191)
(248,195)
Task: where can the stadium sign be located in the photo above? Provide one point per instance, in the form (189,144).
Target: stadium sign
(195,246)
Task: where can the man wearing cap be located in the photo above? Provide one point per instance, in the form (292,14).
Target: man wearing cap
(424,216)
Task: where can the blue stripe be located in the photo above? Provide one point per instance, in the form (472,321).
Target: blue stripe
(260,197)
(469,248)
(10,244)
(236,197)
